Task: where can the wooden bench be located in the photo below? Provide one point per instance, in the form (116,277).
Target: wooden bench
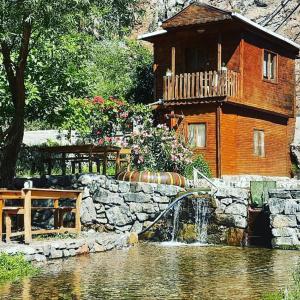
(25,209)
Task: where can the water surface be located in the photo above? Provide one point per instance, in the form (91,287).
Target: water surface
(161,271)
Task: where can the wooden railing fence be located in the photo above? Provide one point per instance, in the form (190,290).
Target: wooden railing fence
(201,85)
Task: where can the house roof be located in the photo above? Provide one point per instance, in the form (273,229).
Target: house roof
(200,13)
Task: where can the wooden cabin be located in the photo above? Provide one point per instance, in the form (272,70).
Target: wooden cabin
(228,85)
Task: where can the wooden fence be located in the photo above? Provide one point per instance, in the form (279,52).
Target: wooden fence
(201,85)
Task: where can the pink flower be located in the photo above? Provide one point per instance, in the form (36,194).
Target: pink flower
(98,99)
(100,142)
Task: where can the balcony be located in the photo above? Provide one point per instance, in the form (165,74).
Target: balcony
(200,85)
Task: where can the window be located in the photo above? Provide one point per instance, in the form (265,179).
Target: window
(197,135)
(270,65)
(259,143)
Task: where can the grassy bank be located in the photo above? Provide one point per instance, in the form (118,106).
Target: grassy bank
(290,293)
(15,267)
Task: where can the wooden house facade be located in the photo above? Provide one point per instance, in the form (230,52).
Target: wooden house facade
(228,85)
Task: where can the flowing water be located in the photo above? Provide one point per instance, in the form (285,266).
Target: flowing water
(201,219)
(154,271)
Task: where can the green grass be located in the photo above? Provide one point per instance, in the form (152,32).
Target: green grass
(13,268)
(290,293)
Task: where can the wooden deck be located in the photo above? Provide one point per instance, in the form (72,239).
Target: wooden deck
(201,85)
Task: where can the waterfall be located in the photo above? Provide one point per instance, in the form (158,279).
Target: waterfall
(201,219)
(176,212)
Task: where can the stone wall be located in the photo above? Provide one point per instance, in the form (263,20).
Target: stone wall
(120,206)
(284,209)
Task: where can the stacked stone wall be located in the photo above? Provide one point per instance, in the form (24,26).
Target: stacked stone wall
(284,209)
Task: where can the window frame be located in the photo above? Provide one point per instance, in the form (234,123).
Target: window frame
(263,155)
(268,79)
(187,133)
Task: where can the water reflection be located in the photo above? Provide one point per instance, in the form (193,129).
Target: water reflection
(152,271)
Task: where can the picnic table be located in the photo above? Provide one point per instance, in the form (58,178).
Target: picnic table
(79,154)
(19,203)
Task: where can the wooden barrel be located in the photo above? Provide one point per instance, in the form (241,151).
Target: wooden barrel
(153,177)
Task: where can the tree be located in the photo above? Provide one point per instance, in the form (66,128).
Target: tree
(22,23)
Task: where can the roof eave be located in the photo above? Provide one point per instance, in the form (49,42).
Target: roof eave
(265,30)
(147,36)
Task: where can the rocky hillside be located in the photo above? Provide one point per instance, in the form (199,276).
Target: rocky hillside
(282,16)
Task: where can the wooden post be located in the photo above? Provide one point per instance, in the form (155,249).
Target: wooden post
(219,52)
(77,214)
(241,66)
(63,163)
(8,226)
(27,217)
(173,71)
(117,162)
(104,163)
(56,213)
(218,138)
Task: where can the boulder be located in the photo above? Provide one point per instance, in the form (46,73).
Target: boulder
(290,207)
(279,221)
(236,209)
(276,205)
(119,215)
(124,186)
(284,232)
(137,197)
(279,193)
(88,212)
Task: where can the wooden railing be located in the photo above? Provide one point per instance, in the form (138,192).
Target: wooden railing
(201,85)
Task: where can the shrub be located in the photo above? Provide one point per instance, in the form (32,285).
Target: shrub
(15,267)
(200,164)
(159,149)
(103,121)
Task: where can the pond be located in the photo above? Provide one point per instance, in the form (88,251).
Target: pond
(161,271)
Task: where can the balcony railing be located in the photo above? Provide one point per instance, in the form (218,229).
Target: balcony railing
(201,85)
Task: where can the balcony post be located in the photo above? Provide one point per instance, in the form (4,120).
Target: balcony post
(219,52)
(173,69)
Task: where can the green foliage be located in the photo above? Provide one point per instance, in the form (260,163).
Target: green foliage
(66,38)
(102,121)
(157,148)
(15,267)
(122,68)
(200,164)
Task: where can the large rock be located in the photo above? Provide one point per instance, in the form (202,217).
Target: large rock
(291,207)
(88,212)
(279,221)
(276,205)
(284,232)
(142,208)
(137,197)
(236,209)
(119,215)
(280,193)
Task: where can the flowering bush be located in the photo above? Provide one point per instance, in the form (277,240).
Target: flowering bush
(104,121)
(159,149)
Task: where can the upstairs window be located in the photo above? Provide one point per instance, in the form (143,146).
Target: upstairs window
(270,65)
(259,143)
(197,135)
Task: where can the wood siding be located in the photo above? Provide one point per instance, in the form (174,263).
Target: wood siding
(237,131)
(278,96)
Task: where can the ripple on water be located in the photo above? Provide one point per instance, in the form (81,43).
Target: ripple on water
(160,271)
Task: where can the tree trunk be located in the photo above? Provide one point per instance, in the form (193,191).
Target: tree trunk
(10,151)
(15,74)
